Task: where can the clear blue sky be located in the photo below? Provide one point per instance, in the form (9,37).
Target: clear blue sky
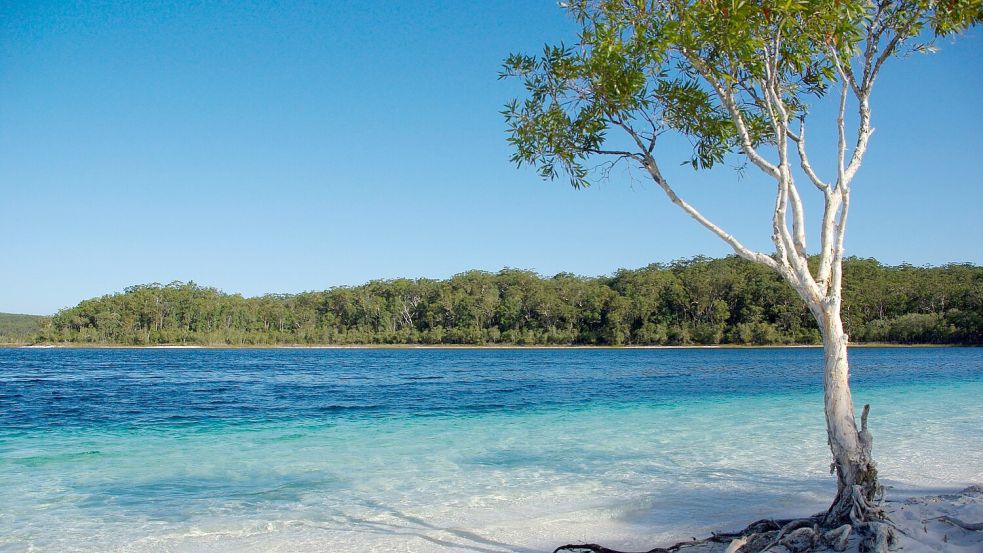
(262,148)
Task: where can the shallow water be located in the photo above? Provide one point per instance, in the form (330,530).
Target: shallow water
(449,450)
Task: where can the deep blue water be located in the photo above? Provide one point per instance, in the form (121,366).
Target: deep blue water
(45,388)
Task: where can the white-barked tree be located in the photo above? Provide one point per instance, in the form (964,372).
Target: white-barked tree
(736,78)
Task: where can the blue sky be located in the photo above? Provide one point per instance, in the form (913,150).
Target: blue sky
(280,148)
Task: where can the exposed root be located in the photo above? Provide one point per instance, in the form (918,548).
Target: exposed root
(794,527)
(971,526)
(735,545)
(758,536)
(838,538)
(793,536)
(764,527)
(594,548)
(878,538)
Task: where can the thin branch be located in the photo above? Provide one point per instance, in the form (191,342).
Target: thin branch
(800,144)
(863,137)
(655,131)
(621,154)
(872,66)
(780,234)
(729,102)
(841,126)
(779,229)
(833,199)
(648,162)
(836,276)
(788,192)
(830,208)
(733,242)
(888,50)
(846,73)
(798,218)
(604,168)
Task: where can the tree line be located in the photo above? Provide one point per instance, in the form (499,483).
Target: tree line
(698,301)
(15,329)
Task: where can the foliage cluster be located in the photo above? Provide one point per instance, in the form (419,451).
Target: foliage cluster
(729,75)
(697,301)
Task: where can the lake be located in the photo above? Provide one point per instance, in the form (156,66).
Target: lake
(480,450)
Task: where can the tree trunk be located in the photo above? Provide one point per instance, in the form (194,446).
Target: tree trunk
(855,471)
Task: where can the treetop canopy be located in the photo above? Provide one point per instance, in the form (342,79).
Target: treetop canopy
(651,66)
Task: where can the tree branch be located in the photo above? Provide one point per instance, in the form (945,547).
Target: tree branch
(648,162)
(800,143)
(830,208)
(798,218)
(788,192)
(841,125)
(729,102)
(836,276)
(739,248)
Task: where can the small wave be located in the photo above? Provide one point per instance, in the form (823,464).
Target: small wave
(345,408)
(39,460)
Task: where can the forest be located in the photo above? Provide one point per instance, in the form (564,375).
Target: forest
(698,301)
(16,328)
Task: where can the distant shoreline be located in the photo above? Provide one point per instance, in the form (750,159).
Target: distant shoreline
(460,346)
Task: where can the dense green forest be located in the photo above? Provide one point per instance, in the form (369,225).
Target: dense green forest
(697,301)
(18,328)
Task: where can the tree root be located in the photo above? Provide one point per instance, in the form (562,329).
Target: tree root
(786,536)
(971,526)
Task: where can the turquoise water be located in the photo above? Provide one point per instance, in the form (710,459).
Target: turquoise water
(436,450)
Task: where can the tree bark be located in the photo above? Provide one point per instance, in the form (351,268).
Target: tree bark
(851,448)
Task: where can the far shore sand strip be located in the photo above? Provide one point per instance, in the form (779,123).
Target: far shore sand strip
(455,346)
